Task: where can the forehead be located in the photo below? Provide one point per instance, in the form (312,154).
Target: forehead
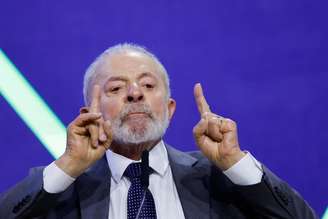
(127,64)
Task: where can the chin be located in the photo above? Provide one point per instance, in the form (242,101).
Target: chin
(136,135)
(138,131)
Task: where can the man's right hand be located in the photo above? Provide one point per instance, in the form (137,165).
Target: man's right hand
(88,138)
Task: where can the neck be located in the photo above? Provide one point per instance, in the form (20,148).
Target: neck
(133,151)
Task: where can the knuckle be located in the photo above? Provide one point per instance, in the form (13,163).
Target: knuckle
(205,114)
(70,126)
(213,120)
(83,115)
(232,124)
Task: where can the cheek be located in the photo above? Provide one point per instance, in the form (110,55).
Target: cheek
(158,104)
(110,108)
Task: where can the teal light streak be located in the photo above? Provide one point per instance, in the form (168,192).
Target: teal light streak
(325,215)
(31,108)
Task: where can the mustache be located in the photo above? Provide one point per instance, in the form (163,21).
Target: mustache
(136,108)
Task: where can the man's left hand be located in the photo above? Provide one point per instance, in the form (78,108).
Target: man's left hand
(215,135)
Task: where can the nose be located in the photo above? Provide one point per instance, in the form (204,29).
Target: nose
(134,94)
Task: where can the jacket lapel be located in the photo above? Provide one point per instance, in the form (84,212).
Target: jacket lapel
(93,189)
(191,183)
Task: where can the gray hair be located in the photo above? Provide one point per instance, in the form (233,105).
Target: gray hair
(91,73)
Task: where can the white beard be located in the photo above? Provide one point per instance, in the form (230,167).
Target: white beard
(143,130)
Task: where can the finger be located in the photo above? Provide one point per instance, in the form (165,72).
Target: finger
(94,108)
(200,129)
(86,118)
(201,102)
(102,135)
(80,130)
(94,134)
(109,133)
(229,128)
(95,101)
(228,125)
(214,131)
(202,140)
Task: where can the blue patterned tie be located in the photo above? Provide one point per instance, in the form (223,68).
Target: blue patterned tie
(138,195)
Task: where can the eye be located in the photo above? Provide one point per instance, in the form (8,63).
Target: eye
(115,89)
(149,86)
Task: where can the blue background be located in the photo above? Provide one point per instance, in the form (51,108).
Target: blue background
(262,63)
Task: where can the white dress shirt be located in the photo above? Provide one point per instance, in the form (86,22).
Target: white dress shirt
(247,171)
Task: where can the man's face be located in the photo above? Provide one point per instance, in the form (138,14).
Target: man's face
(133,97)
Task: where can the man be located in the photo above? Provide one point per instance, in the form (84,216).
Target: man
(127,94)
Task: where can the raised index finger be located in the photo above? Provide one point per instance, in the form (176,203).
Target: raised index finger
(95,101)
(201,102)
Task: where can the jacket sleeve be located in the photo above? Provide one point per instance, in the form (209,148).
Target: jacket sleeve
(272,198)
(27,199)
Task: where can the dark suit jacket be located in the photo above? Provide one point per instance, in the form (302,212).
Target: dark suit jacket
(204,191)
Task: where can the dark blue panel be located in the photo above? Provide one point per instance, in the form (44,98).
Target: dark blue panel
(262,63)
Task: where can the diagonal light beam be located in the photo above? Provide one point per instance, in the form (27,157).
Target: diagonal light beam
(31,108)
(325,215)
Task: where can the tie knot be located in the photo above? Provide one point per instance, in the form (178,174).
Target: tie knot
(133,171)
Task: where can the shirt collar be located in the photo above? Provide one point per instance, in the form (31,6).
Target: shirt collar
(158,161)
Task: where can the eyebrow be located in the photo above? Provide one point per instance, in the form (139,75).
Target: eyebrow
(146,74)
(121,78)
(117,78)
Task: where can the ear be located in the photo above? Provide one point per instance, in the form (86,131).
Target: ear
(171,105)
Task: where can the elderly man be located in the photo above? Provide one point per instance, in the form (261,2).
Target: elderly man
(116,164)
